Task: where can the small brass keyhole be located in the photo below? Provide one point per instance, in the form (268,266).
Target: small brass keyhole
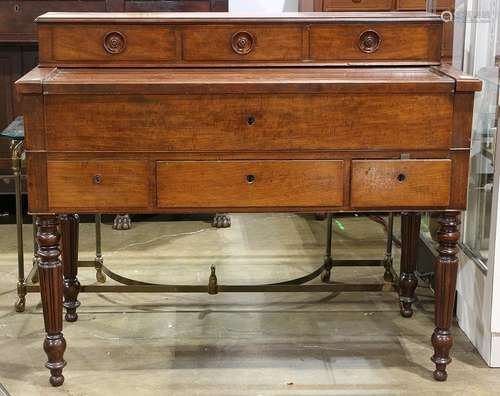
(97,179)
(251,120)
(17,8)
(251,179)
(401,178)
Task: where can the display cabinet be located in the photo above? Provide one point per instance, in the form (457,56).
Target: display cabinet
(477,52)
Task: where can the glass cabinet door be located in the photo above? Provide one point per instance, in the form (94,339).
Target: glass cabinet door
(476,52)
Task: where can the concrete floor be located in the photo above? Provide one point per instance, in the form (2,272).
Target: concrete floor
(233,344)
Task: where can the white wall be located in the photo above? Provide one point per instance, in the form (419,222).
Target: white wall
(266,6)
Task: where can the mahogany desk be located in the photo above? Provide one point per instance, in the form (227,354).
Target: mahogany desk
(165,113)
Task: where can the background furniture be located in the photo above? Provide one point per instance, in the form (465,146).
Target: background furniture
(19,49)
(388,5)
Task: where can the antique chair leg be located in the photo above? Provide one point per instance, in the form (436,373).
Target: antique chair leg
(122,222)
(221,220)
(446,280)
(410,230)
(328,263)
(51,290)
(69,255)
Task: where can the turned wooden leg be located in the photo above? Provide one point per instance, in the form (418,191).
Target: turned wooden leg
(446,281)
(410,230)
(51,289)
(69,256)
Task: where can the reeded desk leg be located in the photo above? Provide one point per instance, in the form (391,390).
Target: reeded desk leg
(446,280)
(69,255)
(410,230)
(51,290)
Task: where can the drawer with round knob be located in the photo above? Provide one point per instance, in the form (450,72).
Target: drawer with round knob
(250,184)
(242,43)
(400,183)
(94,184)
(110,44)
(385,42)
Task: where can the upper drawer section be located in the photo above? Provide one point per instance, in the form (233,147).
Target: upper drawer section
(296,39)
(242,43)
(109,44)
(370,43)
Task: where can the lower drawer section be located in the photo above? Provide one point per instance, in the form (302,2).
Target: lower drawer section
(400,183)
(252,184)
(98,184)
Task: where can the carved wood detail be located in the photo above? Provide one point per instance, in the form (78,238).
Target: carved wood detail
(115,42)
(243,42)
(369,41)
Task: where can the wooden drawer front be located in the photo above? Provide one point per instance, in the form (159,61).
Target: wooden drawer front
(247,122)
(400,183)
(98,184)
(357,5)
(381,42)
(111,43)
(242,184)
(17,17)
(242,43)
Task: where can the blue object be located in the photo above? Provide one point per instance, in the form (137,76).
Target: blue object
(15,130)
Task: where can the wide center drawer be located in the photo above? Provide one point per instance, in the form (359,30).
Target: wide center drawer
(250,184)
(248,122)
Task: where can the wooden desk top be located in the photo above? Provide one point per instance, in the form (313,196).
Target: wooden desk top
(222,17)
